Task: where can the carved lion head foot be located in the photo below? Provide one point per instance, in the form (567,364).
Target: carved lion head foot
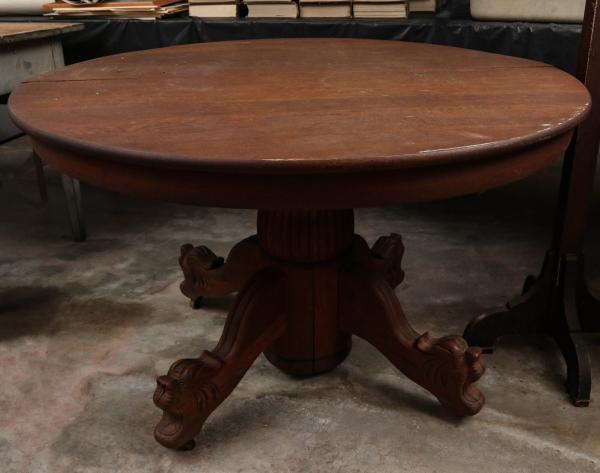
(187,395)
(450,370)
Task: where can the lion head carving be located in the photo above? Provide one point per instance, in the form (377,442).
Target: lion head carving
(186,395)
(452,368)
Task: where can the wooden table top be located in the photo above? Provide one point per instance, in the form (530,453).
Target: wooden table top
(302,106)
(13,32)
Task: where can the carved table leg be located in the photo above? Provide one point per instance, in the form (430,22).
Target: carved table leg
(447,367)
(193,388)
(317,284)
(207,274)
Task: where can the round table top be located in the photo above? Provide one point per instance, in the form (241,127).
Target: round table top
(299,106)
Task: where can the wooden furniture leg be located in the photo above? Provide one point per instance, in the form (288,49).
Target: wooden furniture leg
(588,303)
(208,275)
(558,303)
(74,207)
(41,178)
(369,308)
(194,388)
(522,315)
(315,284)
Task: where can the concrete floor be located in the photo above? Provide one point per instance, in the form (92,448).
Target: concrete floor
(86,327)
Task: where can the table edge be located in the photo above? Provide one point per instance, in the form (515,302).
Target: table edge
(331,165)
(298,190)
(56,30)
(307,166)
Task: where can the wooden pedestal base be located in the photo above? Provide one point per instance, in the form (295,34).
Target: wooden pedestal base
(557,303)
(306,284)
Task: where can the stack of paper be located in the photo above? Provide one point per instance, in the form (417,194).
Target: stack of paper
(325,9)
(148,9)
(380,9)
(271,8)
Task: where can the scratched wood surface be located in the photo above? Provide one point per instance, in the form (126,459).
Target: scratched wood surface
(373,122)
(302,103)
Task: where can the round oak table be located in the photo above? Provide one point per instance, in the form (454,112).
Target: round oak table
(304,130)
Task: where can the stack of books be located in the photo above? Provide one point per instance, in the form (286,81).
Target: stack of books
(380,9)
(271,8)
(214,8)
(422,6)
(145,10)
(559,11)
(325,9)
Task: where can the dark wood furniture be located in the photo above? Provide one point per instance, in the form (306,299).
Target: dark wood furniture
(303,130)
(558,302)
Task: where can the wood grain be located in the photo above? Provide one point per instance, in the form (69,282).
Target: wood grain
(301,307)
(194,388)
(300,105)
(305,126)
(559,302)
(304,191)
(13,32)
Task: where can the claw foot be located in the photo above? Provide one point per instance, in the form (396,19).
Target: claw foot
(187,395)
(450,370)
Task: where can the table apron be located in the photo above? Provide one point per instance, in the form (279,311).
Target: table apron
(302,191)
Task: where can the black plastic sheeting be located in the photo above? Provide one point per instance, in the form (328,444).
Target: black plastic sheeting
(454,9)
(548,42)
